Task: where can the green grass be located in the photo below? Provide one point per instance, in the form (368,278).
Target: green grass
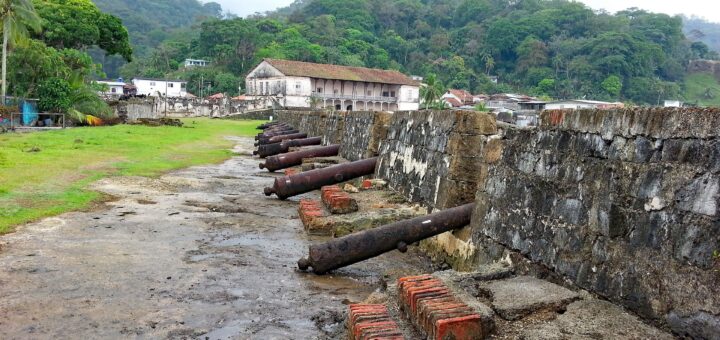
(47,173)
(696,88)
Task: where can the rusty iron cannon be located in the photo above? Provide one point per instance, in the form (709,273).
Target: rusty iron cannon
(291,159)
(370,243)
(273,133)
(269,125)
(273,149)
(280,138)
(301,183)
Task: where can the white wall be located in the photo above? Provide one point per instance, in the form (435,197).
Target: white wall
(569,105)
(175,89)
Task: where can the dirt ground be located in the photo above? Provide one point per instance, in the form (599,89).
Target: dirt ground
(198,253)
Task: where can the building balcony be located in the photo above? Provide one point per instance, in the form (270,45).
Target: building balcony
(333,96)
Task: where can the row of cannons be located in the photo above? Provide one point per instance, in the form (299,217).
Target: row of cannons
(274,145)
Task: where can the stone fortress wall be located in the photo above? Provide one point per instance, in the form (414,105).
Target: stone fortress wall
(621,203)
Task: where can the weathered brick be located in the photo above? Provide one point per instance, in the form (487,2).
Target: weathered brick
(465,327)
(338,201)
(432,306)
(371,321)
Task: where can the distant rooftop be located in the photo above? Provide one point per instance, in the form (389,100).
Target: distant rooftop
(337,72)
(157,79)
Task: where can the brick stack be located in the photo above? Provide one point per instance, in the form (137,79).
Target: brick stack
(367,322)
(433,308)
(338,201)
(309,210)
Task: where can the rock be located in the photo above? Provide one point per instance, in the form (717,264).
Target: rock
(350,188)
(594,319)
(518,297)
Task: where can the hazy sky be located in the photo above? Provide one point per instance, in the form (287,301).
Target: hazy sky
(709,9)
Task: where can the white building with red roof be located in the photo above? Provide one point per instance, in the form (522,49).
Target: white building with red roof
(300,84)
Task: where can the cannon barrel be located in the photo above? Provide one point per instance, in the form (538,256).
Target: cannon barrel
(274,133)
(268,125)
(291,159)
(301,183)
(370,243)
(273,149)
(280,138)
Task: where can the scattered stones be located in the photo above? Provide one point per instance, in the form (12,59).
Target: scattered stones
(157,122)
(350,188)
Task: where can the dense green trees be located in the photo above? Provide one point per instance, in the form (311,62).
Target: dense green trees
(52,64)
(18,16)
(555,48)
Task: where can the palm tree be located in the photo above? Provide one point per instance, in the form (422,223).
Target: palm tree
(17,16)
(432,91)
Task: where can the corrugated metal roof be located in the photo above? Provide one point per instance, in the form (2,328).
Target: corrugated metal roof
(337,72)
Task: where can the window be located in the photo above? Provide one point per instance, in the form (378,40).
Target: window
(152,83)
(386,94)
(392,94)
(335,91)
(113,90)
(171,85)
(298,85)
(183,85)
(319,90)
(369,93)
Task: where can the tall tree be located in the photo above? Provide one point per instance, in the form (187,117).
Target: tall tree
(17,17)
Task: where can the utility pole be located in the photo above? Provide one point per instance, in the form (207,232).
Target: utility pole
(202,84)
(166,97)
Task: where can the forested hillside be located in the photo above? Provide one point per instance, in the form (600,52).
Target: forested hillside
(150,22)
(698,29)
(555,48)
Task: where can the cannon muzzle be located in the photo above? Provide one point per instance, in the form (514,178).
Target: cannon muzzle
(301,183)
(370,243)
(291,159)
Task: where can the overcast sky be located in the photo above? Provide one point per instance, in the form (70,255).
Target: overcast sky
(709,9)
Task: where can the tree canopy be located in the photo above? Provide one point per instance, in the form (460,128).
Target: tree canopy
(556,48)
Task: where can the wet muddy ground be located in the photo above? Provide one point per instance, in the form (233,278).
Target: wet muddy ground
(199,253)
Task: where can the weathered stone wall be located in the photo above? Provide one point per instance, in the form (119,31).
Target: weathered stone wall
(439,159)
(436,157)
(153,108)
(363,133)
(622,203)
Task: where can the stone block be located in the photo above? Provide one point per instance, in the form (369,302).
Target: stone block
(594,319)
(518,297)
(475,123)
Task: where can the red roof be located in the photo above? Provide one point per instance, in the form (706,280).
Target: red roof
(464,96)
(454,102)
(217,96)
(337,72)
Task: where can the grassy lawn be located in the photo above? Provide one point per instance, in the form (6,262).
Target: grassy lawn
(48,173)
(697,86)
